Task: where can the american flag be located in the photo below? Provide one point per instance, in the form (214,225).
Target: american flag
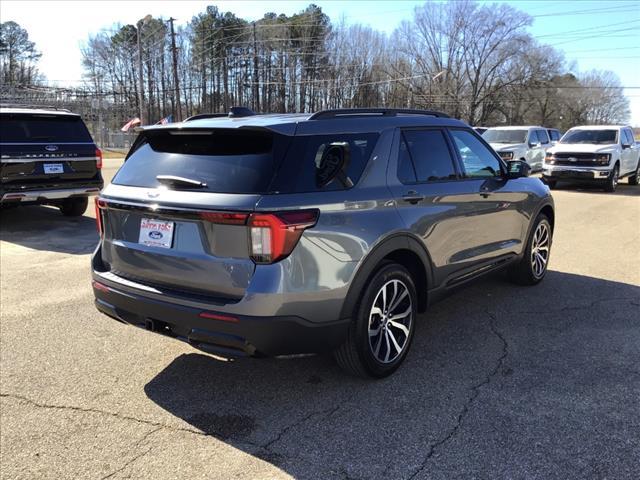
(165,120)
(130,124)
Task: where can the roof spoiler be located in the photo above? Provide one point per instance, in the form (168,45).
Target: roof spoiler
(234,112)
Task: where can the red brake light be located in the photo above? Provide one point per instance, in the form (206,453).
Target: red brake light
(273,236)
(217,316)
(98,158)
(100,204)
(225,218)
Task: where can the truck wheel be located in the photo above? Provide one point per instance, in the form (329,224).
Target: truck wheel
(633,179)
(381,331)
(612,181)
(74,207)
(533,266)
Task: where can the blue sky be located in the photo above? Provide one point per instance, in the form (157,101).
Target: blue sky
(593,33)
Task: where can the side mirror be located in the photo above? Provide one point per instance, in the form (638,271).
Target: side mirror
(518,169)
(332,162)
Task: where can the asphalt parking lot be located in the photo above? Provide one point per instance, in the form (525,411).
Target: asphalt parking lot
(502,381)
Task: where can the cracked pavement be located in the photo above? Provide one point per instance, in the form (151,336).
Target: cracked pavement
(502,381)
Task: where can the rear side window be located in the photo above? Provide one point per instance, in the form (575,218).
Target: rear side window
(628,136)
(227,161)
(424,157)
(555,135)
(324,162)
(34,128)
(543,136)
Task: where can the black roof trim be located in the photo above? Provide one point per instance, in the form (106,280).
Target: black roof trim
(385,112)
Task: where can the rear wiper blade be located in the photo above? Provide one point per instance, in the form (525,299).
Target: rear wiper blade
(180,181)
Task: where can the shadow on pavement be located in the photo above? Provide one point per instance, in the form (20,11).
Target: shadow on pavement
(45,228)
(622,190)
(501,381)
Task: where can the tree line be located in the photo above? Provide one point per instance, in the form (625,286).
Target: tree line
(477,62)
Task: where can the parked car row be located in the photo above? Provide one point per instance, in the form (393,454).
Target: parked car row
(601,154)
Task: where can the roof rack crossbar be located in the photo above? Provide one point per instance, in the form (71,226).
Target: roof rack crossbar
(385,112)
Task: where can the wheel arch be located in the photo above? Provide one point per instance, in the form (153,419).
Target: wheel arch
(403,249)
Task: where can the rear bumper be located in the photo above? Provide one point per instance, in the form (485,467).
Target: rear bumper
(49,195)
(220,333)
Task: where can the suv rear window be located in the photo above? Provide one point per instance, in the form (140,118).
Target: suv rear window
(247,161)
(42,128)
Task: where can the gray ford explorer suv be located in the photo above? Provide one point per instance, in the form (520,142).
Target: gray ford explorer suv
(289,234)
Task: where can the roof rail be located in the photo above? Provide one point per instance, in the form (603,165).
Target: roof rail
(234,112)
(33,106)
(384,112)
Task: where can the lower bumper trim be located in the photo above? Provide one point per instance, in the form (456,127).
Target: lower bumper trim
(249,336)
(39,195)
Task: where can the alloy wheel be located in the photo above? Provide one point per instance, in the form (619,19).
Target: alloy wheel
(390,321)
(540,249)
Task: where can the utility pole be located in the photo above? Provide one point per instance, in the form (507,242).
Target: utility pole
(140,79)
(175,72)
(141,22)
(256,89)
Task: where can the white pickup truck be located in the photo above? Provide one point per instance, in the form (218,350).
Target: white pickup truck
(602,154)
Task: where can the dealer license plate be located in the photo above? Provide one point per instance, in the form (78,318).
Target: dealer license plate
(156,233)
(53,168)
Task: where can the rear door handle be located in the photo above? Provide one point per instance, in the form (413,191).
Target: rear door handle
(412,197)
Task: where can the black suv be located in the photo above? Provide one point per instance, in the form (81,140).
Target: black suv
(48,157)
(287,234)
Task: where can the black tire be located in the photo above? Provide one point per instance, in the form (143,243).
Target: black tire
(612,182)
(74,207)
(635,178)
(523,272)
(357,354)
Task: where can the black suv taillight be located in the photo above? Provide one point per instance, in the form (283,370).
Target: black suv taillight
(273,236)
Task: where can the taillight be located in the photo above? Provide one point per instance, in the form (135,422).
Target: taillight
(98,158)
(225,218)
(100,204)
(273,236)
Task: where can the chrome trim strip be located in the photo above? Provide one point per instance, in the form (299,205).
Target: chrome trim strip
(34,195)
(47,159)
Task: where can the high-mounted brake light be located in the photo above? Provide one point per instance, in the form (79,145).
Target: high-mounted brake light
(100,205)
(98,158)
(273,236)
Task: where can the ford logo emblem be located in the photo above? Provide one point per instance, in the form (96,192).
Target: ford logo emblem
(572,159)
(156,235)
(51,148)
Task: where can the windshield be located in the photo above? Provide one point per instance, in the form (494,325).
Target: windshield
(35,128)
(600,137)
(496,135)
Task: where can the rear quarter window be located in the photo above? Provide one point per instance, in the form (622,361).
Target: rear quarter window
(310,165)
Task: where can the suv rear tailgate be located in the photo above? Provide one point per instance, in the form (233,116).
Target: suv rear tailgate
(178,248)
